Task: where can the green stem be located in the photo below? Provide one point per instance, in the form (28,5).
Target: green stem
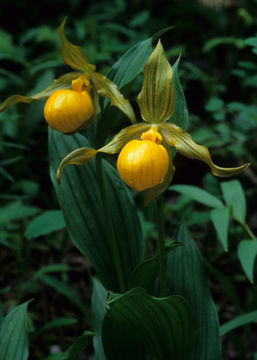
(109,223)
(161,246)
(248,230)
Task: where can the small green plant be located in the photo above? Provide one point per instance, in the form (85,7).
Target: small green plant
(145,304)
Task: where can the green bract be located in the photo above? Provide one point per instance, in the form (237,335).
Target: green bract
(75,57)
(157,104)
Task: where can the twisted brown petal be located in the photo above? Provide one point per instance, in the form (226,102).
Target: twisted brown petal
(185,145)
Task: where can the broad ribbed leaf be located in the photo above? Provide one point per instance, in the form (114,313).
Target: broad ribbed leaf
(81,203)
(156,99)
(136,323)
(234,196)
(185,145)
(63,82)
(247,253)
(14,344)
(131,63)
(145,274)
(98,310)
(220,219)
(198,194)
(180,114)
(186,277)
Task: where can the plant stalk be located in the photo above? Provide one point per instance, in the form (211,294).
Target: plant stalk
(109,223)
(248,230)
(161,245)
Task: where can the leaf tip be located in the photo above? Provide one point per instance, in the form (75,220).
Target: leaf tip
(60,28)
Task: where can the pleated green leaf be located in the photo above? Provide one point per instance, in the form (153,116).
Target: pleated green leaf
(98,311)
(247,253)
(131,63)
(186,277)
(220,220)
(14,344)
(81,203)
(156,99)
(234,196)
(145,274)
(136,323)
(180,114)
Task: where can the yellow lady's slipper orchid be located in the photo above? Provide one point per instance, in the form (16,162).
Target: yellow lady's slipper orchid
(71,105)
(67,110)
(144,162)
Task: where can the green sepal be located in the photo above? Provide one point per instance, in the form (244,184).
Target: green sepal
(124,136)
(152,193)
(79,156)
(185,145)
(156,99)
(73,55)
(109,90)
(63,82)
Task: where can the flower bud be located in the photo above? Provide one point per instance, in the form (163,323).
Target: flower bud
(67,110)
(143,164)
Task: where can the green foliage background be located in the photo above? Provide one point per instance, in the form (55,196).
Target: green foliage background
(218,71)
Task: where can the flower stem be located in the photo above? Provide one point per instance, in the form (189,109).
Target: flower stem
(161,246)
(109,223)
(248,230)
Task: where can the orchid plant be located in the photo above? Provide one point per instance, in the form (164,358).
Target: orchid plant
(158,307)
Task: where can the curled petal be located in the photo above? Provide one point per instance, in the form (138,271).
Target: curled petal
(73,55)
(77,157)
(83,155)
(125,135)
(108,89)
(185,145)
(63,82)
